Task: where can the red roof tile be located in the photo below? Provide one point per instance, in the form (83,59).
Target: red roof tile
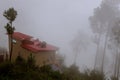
(38,48)
(33,45)
(21,36)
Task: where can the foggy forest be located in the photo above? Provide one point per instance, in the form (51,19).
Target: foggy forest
(60,40)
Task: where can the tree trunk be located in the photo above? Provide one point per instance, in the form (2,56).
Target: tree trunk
(11,43)
(116,62)
(11,47)
(76,54)
(98,46)
(104,50)
(97,51)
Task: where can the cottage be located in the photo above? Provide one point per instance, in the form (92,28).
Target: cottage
(24,45)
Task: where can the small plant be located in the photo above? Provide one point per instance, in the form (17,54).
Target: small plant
(31,60)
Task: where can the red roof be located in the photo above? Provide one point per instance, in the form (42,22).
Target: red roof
(33,45)
(21,36)
(36,48)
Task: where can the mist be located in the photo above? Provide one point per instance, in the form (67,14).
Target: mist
(57,22)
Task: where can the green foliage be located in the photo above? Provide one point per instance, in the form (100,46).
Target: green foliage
(9,29)
(21,70)
(5,68)
(10,14)
(19,59)
(31,60)
(47,73)
(72,73)
(93,75)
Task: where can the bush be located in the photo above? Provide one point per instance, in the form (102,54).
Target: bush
(22,70)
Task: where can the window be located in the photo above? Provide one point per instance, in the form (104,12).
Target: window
(14,41)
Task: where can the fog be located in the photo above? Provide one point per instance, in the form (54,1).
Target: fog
(57,22)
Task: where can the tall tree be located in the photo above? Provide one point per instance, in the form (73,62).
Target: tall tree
(101,23)
(79,43)
(116,41)
(10,15)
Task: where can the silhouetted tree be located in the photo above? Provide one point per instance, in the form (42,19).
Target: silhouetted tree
(10,15)
(101,23)
(116,40)
(79,43)
(31,60)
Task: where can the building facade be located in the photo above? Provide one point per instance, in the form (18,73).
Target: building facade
(25,45)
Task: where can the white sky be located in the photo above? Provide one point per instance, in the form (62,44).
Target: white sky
(55,21)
